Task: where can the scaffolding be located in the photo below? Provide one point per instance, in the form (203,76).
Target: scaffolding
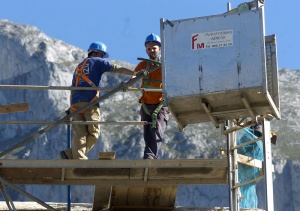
(223,69)
(231,106)
(116,179)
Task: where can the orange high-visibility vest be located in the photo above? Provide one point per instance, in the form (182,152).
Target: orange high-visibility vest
(80,74)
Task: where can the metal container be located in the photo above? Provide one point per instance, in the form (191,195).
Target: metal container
(219,67)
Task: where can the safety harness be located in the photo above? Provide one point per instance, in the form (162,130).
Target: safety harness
(154,113)
(146,82)
(80,74)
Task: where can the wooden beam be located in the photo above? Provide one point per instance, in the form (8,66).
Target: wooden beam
(154,196)
(17,107)
(208,109)
(115,172)
(107,155)
(250,161)
(247,105)
(102,194)
(168,163)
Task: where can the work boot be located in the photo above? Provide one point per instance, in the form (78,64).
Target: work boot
(66,154)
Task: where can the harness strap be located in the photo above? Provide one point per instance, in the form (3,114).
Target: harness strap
(146,109)
(146,79)
(80,74)
(152,80)
(154,114)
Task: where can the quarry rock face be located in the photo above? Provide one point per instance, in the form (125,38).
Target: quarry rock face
(29,57)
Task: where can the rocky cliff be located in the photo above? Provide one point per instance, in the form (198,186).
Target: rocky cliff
(29,57)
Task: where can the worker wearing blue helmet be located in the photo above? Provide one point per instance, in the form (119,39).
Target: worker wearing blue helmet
(154,39)
(152,107)
(88,74)
(99,46)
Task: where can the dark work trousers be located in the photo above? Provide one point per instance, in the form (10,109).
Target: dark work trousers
(153,136)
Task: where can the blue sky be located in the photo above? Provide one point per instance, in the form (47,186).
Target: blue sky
(123,24)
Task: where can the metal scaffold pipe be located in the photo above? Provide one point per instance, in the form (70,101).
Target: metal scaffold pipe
(122,87)
(33,87)
(11,185)
(80,122)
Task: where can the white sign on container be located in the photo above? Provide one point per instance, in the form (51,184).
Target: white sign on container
(214,39)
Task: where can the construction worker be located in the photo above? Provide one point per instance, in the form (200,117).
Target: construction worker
(88,73)
(152,108)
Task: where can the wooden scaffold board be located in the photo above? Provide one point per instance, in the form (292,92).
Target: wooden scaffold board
(17,107)
(115,172)
(120,184)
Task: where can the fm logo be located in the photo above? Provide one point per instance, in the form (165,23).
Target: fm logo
(195,44)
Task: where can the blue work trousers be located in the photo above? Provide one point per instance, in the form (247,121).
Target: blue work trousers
(153,136)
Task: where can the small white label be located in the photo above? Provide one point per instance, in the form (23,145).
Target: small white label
(216,39)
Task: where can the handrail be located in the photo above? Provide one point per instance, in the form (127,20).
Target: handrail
(74,88)
(78,122)
(122,87)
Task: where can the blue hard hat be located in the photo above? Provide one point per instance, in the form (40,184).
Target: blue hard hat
(98,46)
(153,38)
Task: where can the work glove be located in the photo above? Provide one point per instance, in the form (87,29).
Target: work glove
(142,72)
(124,86)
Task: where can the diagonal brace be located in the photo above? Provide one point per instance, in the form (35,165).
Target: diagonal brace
(89,105)
(5,182)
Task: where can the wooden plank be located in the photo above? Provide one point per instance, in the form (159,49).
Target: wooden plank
(169,163)
(119,195)
(188,173)
(107,155)
(168,196)
(136,173)
(151,196)
(250,161)
(207,108)
(153,173)
(247,105)
(101,173)
(34,175)
(17,107)
(101,197)
(135,196)
(102,194)
(115,172)
(154,196)
(37,174)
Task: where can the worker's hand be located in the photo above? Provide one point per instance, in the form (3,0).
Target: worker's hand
(124,86)
(142,72)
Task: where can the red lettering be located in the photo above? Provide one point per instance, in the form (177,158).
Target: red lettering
(201,45)
(194,38)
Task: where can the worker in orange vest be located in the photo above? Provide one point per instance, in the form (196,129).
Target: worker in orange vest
(152,107)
